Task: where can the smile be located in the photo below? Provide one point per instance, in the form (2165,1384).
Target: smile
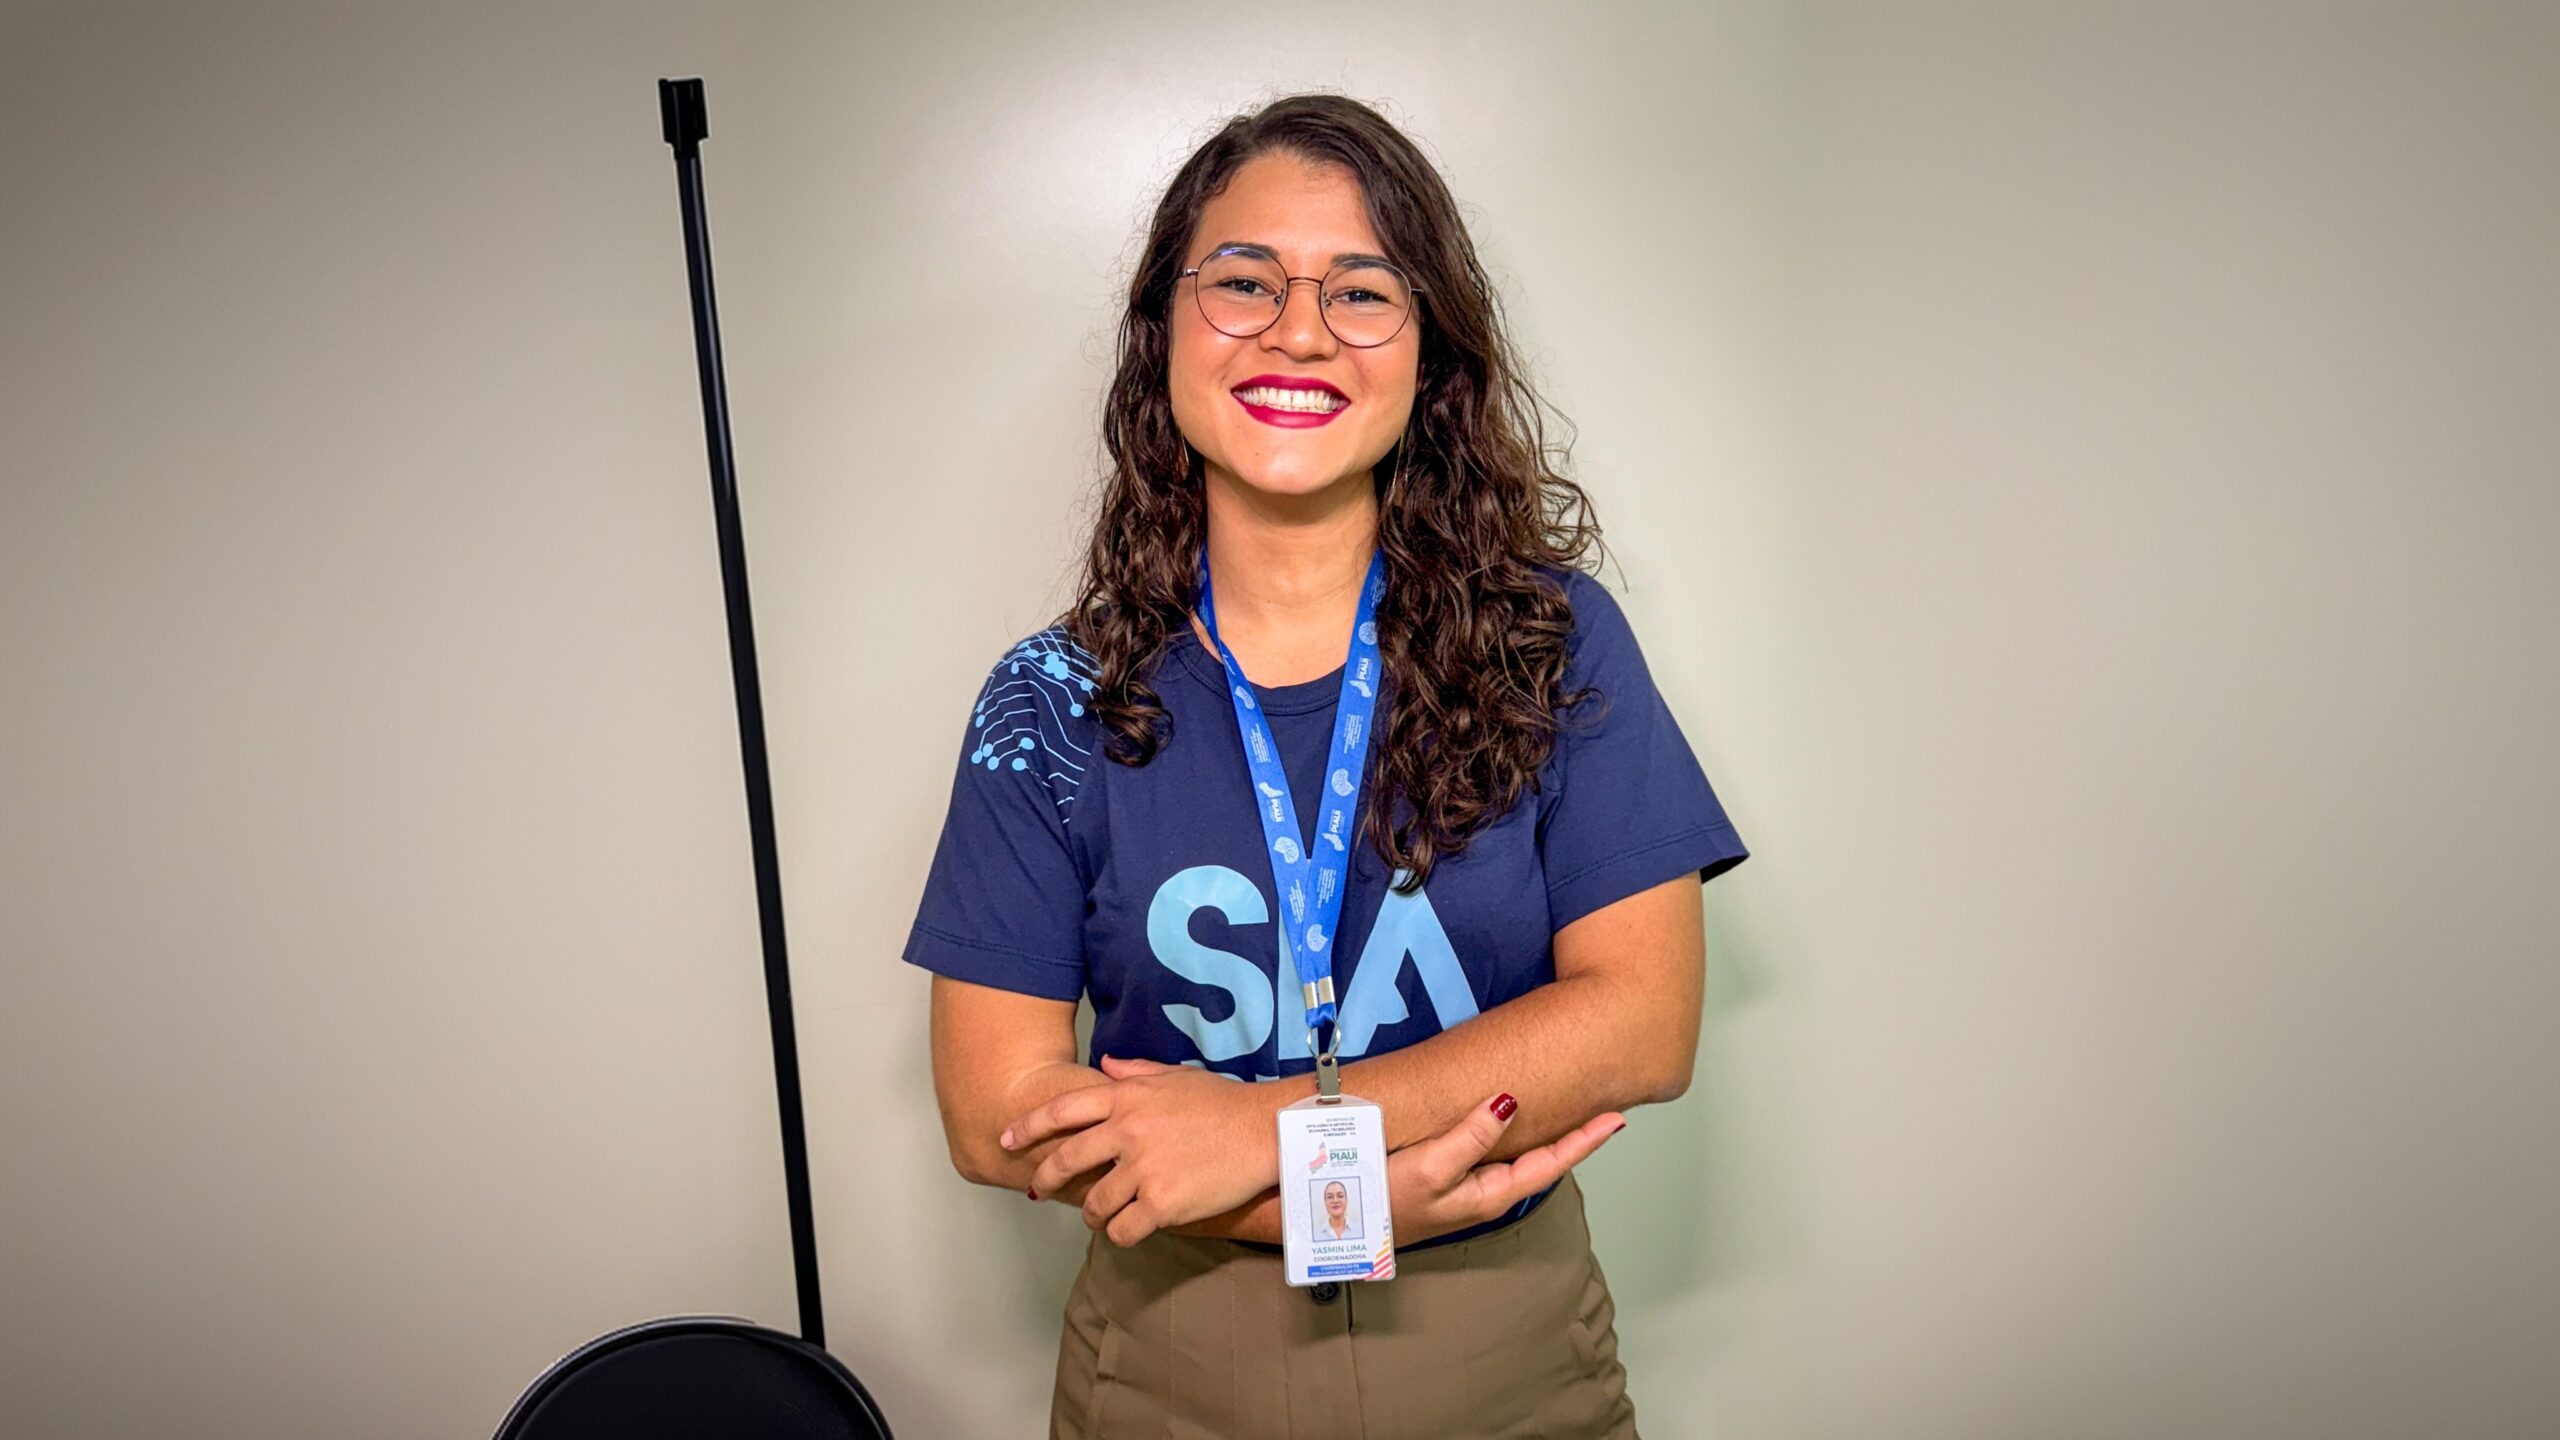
(1290,402)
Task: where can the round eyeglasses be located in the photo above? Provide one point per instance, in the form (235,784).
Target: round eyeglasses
(1241,292)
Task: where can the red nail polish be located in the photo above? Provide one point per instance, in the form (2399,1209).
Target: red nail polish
(1503,1105)
(1622,1124)
(1031,1194)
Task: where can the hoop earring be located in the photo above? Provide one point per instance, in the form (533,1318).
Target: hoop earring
(1395,477)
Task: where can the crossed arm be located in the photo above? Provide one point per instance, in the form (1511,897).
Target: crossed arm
(1145,1147)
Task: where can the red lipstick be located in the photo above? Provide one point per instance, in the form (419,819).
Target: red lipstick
(1290,419)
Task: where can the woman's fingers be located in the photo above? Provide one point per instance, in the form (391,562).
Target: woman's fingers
(1071,1111)
(1089,1105)
(1104,1197)
(1463,1189)
(1135,1222)
(1492,1189)
(1445,1158)
(1082,1151)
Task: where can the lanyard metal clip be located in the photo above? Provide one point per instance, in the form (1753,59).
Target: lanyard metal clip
(1328,1070)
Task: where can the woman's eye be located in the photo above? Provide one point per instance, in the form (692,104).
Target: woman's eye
(1243,285)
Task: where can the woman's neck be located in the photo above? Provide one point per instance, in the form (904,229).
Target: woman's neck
(1287,571)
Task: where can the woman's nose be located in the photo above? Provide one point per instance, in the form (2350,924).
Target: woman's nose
(1299,329)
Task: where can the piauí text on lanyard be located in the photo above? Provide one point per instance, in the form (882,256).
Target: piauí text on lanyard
(1308,876)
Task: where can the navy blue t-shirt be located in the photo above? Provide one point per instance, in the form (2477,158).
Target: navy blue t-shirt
(1063,873)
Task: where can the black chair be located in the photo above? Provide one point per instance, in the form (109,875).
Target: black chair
(696,1377)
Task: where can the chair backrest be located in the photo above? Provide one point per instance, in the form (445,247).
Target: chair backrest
(694,1377)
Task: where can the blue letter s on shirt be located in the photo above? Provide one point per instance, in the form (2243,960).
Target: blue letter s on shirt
(1407,928)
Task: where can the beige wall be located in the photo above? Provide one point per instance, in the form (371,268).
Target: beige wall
(2082,476)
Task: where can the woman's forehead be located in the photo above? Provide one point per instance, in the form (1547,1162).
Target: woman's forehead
(1297,213)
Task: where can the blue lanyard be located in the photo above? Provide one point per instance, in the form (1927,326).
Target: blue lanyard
(1309,886)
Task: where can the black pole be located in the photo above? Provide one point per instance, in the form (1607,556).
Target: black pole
(680,108)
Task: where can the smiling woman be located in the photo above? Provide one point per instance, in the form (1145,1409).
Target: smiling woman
(1401,798)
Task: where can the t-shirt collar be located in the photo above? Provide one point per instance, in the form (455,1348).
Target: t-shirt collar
(1317,694)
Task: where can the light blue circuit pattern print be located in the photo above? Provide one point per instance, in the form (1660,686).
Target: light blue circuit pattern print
(1026,714)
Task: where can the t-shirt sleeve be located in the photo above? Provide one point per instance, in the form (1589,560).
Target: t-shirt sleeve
(1004,900)
(1629,806)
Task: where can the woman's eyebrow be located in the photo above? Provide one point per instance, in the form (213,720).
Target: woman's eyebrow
(1248,247)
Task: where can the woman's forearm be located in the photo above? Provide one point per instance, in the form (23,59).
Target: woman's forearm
(1566,1051)
(973,1129)
(1576,1047)
(1617,1029)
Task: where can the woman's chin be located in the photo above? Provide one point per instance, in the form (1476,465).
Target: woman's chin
(1290,482)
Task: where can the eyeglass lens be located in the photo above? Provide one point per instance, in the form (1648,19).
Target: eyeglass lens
(1365,303)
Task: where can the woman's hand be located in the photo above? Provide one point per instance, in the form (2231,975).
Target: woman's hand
(1182,1145)
(1435,1186)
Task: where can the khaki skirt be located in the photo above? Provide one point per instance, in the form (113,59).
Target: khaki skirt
(1507,1335)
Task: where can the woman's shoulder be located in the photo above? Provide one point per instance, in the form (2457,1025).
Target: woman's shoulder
(1050,658)
(1046,670)
(1033,713)
(1598,619)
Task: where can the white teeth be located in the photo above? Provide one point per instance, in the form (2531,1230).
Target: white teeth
(1314,402)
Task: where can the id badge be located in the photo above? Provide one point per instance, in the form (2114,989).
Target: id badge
(1333,1192)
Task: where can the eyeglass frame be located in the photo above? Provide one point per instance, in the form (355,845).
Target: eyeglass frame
(1287,280)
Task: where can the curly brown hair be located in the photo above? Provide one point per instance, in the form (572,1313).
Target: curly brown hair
(1473,502)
